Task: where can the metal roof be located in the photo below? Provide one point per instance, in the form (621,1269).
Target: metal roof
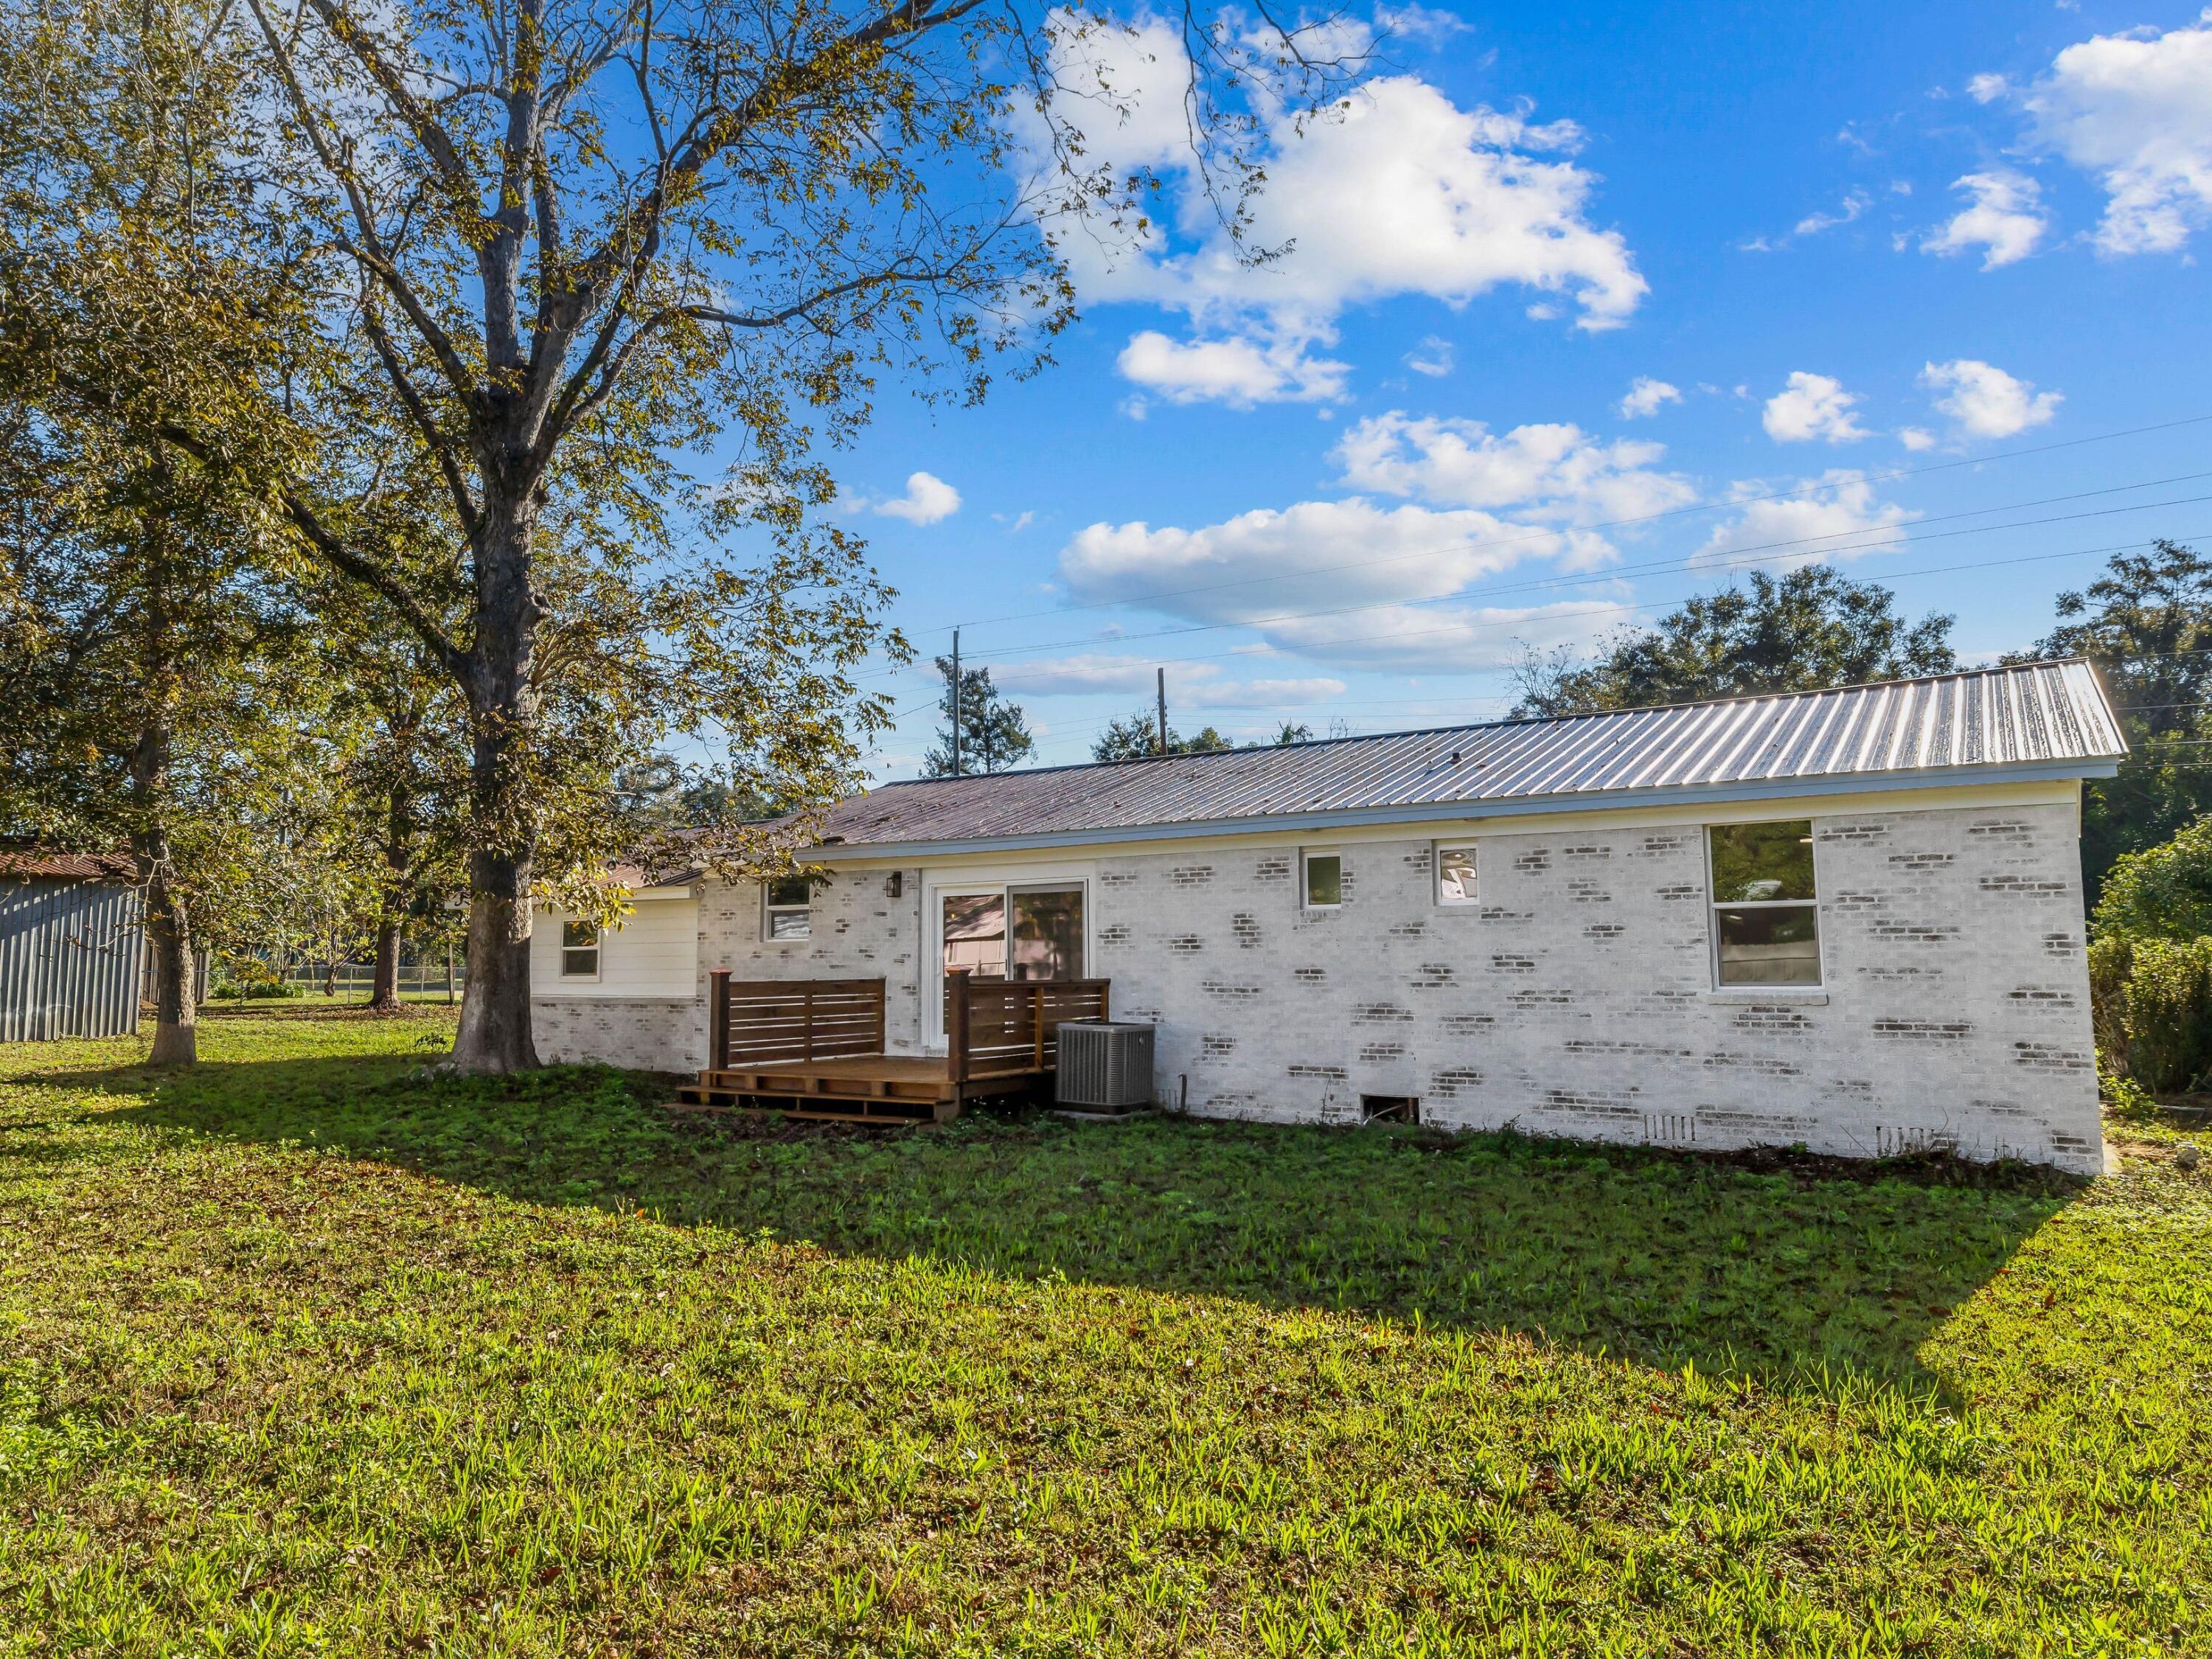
(2049,719)
(40,864)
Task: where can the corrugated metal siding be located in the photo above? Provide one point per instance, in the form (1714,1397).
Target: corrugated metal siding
(70,954)
(2035,713)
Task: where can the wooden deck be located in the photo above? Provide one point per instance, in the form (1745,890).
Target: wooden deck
(815,1048)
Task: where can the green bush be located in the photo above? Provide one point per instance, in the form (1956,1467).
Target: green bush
(249,979)
(2151,1006)
(2161,892)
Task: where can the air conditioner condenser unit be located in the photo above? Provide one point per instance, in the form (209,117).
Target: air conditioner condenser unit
(1105,1066)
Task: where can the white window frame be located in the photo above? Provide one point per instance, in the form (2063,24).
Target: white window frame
(770,910)
(1437,849)
(1714,906)
(1306,855)
(598,947)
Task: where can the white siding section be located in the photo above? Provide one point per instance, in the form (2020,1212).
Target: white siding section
(653,953)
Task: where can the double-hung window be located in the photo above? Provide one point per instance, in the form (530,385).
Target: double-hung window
(1320,877)
(579,949)
(1767,912)
(787,909)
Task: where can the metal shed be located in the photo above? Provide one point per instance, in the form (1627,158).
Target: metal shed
(72,940)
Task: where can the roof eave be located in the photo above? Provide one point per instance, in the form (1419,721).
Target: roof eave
(1785,788)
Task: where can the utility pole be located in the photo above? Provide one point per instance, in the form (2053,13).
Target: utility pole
(956,702)
(1164,710)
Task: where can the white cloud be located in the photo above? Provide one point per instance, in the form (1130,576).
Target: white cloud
(2136,110)
(1414,21)
(1432,357)
(1985,401)
(1343,582)
(1813,406)
(1554,472)
(928,499)
(1449,639)
(1988,88)
(1916,438)
(1853,203)
(1237,372)
(1646,395)
(1839,518)
(1399,191)
(2005,216)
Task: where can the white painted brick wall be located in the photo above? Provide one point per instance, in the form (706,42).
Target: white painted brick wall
(645,1034)
(859,932)
(1576,997)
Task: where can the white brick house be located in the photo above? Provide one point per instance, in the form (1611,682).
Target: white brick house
(1851,920)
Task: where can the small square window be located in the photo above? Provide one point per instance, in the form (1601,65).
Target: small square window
(579,949)
(787,908)
(1324,880)
(1455,874)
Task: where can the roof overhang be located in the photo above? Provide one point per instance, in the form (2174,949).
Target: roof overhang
(1790,788)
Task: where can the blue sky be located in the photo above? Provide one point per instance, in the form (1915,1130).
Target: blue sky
(1880,272)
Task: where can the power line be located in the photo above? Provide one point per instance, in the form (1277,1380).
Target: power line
(1890,476)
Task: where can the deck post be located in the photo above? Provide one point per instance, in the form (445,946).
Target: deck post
(718,1018)
(806,1016)
(1037,1022)
(956,1026)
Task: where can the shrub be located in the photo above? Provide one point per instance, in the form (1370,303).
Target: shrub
(2161,892)
(2151,1002)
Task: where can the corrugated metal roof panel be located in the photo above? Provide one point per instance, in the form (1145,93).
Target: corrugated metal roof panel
(2052,713)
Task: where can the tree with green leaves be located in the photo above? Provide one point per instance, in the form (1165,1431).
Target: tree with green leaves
(154,689)
(2147,624)
(993,732)
(400,784)
(1809,629)
(578,238)
(1137,736)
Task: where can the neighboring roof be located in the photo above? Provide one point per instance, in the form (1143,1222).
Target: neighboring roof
(2036,719)
(639,878)
(37,863)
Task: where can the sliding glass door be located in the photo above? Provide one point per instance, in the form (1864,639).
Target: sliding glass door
(1048,932)
(1007,930)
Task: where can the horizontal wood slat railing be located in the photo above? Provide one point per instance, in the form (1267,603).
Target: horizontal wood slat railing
(994,1027)
(767,1022)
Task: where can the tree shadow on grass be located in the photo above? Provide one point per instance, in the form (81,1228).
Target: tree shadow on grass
(1642,1254)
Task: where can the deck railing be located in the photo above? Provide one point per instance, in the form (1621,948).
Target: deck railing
(993,1027)
(996,1026)
(768,1021)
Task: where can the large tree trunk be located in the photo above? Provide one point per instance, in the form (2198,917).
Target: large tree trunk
(176,989)
(494,1036)
(384,990)
(168,927)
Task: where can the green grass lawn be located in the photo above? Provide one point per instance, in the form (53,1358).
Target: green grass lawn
(303,1353)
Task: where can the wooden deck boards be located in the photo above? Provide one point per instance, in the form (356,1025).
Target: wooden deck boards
(910,1088)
